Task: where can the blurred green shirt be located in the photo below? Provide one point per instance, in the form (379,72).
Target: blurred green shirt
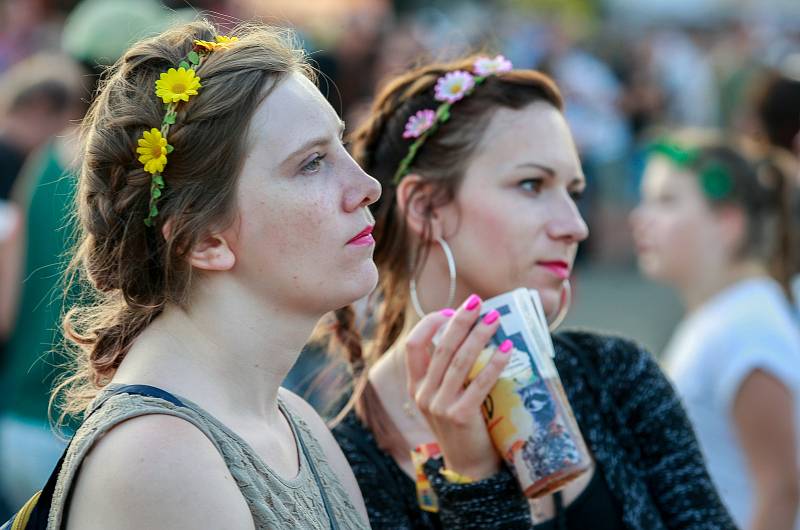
(30,363)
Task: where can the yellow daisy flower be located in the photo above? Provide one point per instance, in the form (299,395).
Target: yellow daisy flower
(177,85)
(153,151)
(225,41)
(208,46)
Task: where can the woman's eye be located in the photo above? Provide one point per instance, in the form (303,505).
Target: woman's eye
(577,195)
(531,185)
(314,164)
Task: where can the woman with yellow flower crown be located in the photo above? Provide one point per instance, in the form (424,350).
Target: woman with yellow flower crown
(214,195)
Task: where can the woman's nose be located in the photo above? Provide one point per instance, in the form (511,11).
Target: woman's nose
(363,189)
(567,222)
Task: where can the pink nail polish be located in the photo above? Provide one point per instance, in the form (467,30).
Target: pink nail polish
(447,312)
(506,346)
(472,302)
(491,317)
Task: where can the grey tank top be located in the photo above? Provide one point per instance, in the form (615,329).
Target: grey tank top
(274,502)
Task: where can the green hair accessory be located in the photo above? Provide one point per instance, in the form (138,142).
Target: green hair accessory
(715,180)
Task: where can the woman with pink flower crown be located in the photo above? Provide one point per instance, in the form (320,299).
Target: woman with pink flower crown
(480,177)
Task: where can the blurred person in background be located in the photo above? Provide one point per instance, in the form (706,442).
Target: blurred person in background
(717,223)
(32,294)
(30,26)
(777,109)
(37,99)
(29,275)
(496,184)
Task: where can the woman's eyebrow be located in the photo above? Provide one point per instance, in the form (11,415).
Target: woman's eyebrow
(550,171)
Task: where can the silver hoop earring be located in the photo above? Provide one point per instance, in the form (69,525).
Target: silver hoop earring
(563,308)
(451,266)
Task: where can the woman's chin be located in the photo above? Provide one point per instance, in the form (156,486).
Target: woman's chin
(361,284)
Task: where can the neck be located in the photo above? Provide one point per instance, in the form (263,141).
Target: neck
(699,289)
(227,350)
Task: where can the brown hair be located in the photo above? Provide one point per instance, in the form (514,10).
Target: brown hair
(761,183)
(133,271)
(379,146)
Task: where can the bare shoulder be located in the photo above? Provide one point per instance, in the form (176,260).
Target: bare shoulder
(336,458)
(156,471)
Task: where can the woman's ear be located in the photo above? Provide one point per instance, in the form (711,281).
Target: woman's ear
(416,201)
(732,227)
(212,252)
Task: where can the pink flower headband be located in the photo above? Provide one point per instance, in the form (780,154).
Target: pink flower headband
(450,88)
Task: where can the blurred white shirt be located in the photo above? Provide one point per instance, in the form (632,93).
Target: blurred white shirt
(748,326)
(9,218)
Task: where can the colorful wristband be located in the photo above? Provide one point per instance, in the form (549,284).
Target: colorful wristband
(454,477)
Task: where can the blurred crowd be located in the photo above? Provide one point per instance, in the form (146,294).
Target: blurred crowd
(626,77)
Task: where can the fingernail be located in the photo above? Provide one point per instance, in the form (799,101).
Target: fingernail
(491,316)
(506,346)
(472,302)
(447,312)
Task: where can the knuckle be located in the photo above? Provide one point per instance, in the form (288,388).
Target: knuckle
(500,360)
(414,343)
(440,349)
(422,400)
(463,320)
(488,376)
(456,417)
(459,361)
(437,411)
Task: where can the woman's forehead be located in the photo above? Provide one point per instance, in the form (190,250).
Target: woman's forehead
(291,115)
(535,135)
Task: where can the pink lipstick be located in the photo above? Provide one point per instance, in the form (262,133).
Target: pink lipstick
(363,238)
(559,268)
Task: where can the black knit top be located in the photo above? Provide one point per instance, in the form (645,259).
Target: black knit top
(632,422)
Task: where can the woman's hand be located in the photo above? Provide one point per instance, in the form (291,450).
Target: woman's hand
(439,385)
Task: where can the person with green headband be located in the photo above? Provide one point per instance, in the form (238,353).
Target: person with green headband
(717,221)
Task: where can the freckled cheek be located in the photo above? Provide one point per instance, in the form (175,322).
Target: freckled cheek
(298,231)
(268,228)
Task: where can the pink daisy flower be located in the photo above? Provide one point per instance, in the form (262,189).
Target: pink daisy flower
(419,123)
(485,66)
(453,86)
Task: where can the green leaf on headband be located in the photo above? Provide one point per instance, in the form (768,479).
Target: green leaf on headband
(716,182)
(184,65)
(170,149)
(193,57)
(678,155)
(156,193)
(154,211)
(169,118)
(158,180)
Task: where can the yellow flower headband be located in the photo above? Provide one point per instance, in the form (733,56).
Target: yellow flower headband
(173,87)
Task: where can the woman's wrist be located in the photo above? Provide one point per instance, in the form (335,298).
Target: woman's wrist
(484,468)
